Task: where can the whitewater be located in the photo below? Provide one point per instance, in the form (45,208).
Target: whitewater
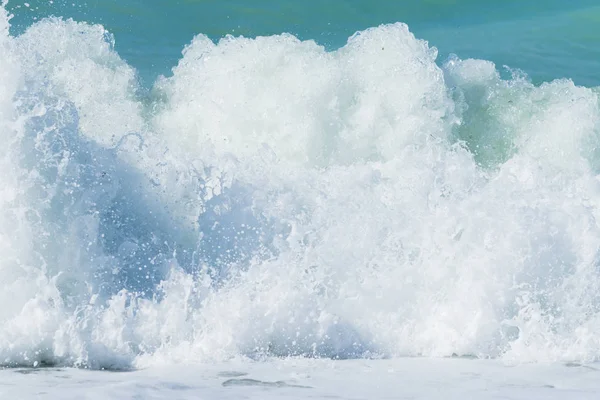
(276,219)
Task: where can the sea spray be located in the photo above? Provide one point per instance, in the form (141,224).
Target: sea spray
(272,198)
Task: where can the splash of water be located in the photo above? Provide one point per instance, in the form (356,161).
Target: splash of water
(273,198)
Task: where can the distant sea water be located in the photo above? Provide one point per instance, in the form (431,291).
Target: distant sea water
(201,181)
(547,39)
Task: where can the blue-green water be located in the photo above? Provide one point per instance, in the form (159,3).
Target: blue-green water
(547,39)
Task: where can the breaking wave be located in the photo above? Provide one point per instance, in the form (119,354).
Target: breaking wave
(271,198)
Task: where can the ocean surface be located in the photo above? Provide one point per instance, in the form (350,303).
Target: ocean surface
(278,195)
(548,39)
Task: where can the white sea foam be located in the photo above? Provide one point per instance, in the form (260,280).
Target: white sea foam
(308,378)
(273,198)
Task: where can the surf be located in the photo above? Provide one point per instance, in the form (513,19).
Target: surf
(276,198)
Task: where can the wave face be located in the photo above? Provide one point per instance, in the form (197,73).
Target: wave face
(272,198)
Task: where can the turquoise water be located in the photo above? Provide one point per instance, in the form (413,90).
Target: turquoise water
(547,39)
